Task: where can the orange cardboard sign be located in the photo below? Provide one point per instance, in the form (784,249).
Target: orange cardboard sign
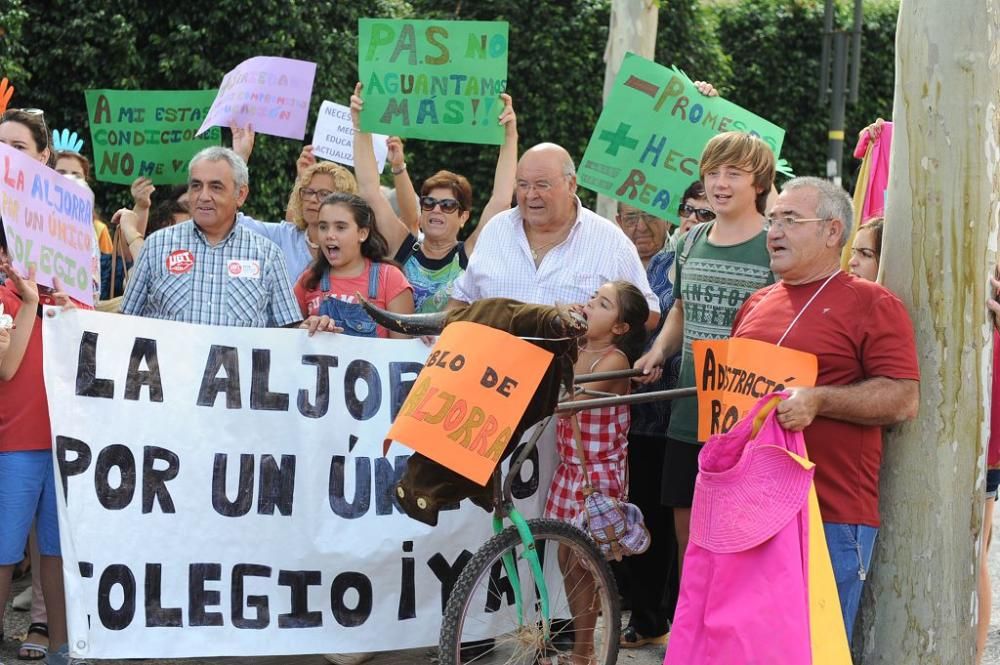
(468,398)
(732,374)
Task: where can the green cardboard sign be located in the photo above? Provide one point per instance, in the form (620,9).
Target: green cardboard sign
(647,144)
(436,80)
(147,133)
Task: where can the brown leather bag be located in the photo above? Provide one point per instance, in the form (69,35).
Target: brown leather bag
(113,303)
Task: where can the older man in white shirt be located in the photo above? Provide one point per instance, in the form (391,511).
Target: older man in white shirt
(550,248)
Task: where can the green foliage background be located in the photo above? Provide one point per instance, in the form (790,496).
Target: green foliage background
(762,54)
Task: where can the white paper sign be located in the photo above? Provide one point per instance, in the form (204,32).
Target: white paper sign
(225,492)
(333,138)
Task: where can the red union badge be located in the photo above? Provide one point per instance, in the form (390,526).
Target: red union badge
(180,262)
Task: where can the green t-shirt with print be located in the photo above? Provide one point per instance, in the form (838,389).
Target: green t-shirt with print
(713,281)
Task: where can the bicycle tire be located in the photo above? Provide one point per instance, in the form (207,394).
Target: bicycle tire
(520,645)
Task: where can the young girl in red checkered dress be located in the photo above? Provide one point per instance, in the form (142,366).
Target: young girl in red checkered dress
(616,316)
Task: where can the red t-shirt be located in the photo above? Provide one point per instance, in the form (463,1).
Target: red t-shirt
(391,282)
(858,330)
(24,410)
(993,452)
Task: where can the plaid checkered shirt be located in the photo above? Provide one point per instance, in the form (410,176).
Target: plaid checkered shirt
(241,281)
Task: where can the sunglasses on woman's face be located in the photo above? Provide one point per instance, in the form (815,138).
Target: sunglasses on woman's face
(703,214)
(428,203)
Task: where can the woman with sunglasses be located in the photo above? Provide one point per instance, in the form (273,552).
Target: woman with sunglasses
(693,210)
(433,264)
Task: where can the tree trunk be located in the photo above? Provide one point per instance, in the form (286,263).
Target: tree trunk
(633,28)
(940,244)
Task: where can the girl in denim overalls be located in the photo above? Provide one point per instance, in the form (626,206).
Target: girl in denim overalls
(351,260)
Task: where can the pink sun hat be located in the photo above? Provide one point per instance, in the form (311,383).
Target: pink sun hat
(749,487)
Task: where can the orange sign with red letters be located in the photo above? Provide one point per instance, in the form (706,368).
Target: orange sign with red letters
(468,398)
(731,375)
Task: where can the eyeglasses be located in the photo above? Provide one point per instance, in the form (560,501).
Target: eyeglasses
(428,203)
(318,194)
(703,214)
(29,111)
(632,220)
(789,222)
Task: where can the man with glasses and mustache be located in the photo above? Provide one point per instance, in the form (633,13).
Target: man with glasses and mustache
(719,264)
(868,373)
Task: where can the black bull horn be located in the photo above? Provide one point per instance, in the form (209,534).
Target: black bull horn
(524,320)
(407,324)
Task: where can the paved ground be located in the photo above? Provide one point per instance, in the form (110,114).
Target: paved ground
(15,624)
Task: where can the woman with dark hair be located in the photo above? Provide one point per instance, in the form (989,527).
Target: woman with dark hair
(25,130)
(693,209)
(173,209)
(433,263)
(351,260)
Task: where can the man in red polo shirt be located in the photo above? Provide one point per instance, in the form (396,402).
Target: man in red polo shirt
(868,373)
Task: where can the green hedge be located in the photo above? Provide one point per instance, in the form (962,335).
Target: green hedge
(774,51)
(54,51)
(763,54)
(556,73)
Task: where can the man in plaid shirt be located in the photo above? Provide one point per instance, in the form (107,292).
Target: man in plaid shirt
(210,269)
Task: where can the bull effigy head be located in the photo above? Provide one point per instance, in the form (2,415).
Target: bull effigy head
(426,487)
(553,322)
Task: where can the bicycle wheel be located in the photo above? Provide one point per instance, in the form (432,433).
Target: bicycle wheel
(483,625)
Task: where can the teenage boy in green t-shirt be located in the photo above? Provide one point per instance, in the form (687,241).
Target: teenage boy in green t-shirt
(726,262)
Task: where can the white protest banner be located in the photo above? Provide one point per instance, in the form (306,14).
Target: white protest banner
(333,138)
(223,491)
(49,223)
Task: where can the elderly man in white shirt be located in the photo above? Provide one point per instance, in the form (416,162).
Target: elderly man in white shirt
(550,248)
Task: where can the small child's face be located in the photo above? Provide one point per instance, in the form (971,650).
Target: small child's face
(339,235)
(603,312)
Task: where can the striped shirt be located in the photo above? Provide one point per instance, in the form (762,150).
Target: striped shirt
(595,251)
(241,281)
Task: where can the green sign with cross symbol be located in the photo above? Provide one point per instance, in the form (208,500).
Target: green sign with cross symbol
(648,141)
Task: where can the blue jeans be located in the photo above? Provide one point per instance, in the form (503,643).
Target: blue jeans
(850,548)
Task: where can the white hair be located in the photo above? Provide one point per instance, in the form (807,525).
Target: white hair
(833,203)
(217,153)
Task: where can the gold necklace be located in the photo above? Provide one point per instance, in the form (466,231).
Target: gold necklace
(422,247)
(535,250)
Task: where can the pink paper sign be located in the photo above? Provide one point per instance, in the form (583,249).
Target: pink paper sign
(49,222)
(272,94)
